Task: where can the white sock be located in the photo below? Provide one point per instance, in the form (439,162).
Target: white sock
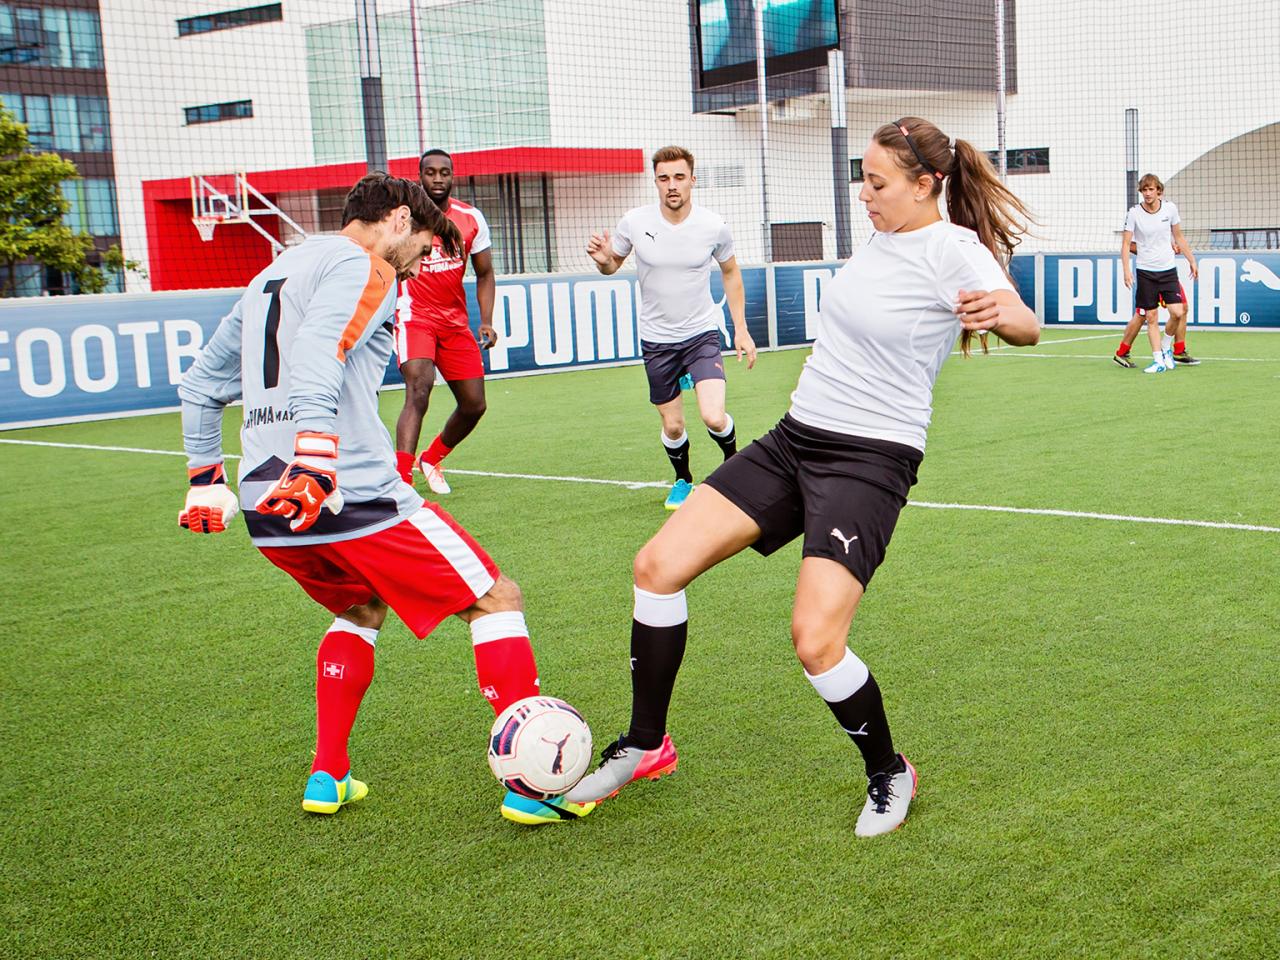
(843,680)
(728,427)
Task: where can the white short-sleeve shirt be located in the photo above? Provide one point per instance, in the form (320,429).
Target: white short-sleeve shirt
(886,323)
(673,262)
(1154,234)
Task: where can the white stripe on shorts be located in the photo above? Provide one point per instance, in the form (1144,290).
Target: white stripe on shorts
(455,550)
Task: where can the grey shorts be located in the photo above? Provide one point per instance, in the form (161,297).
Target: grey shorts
(666,363)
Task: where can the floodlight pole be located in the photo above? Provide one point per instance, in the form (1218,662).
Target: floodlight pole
(839,154)
(1002,164)
(375,118)
(763,99)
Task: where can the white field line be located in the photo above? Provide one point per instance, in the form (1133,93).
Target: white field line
(643,484)
(1107,356)
(1046,343)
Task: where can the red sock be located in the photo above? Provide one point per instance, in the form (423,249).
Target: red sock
(1180,346)
(504,659)
(436,452)
(344,668)
(1123,351)
(404,465)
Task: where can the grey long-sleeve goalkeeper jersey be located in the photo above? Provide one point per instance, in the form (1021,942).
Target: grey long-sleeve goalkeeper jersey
(306,348)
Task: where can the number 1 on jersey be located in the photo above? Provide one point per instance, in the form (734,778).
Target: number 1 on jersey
(270,346)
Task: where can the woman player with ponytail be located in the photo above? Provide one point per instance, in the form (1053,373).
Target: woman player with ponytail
(838,466)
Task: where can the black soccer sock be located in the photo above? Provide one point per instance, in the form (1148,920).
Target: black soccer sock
(659,628)
(678,454)
(854,698)
(728,440)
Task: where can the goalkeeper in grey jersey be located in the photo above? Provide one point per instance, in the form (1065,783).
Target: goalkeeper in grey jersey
(306,348)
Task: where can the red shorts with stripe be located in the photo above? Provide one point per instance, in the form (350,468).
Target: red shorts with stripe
(425,568)
(452,348)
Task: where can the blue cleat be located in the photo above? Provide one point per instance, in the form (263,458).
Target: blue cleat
(324,794)
(680,491)
(686,382)
(534,813)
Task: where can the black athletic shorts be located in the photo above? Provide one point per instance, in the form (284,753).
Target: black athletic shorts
(1156,287)
(843,493)
(666,363)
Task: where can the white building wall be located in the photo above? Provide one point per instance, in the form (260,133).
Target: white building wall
(619,76)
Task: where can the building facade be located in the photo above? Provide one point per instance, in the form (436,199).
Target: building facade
(53,78)
(551,108)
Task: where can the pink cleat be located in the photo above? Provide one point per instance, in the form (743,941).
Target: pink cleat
(620,764)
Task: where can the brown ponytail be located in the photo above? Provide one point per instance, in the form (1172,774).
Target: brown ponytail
(975,196)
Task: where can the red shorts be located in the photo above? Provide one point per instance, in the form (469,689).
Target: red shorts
(424,568)
(452,348)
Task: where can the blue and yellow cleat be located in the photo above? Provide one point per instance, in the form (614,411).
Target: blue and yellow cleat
(324,794)
(680,491)
(534,813)
(686,381)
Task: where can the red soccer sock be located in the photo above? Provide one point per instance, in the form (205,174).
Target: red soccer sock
(404,465)
(436,452)
(1123,350)
(344,668)
(1180,346)
(504,658)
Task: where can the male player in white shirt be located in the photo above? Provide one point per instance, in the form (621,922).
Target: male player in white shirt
(1153,227)
(674,242)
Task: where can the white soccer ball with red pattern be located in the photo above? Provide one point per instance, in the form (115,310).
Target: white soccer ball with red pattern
(539,747)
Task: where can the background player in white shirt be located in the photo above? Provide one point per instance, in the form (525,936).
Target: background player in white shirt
(1152,229)
(306,348)
(838,466)
(674,243)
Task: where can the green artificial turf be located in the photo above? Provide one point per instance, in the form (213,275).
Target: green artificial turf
(1091,703)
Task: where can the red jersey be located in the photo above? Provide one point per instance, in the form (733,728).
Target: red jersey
(436,294)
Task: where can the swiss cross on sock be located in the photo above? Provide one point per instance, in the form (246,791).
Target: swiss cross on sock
(333,670)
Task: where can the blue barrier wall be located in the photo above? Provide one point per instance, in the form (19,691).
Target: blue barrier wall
(69,358)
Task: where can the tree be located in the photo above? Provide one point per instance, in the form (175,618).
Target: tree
(31,210)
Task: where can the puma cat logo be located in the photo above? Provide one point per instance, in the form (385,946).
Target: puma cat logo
(835,532)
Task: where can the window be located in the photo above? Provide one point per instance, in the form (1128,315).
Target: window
(50,37)
(39,120)
(66,124)
(213,112)
(1026,160)
(93,207)
(94,124)
(244,17)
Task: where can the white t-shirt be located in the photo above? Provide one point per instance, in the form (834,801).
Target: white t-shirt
(886,323)
(1154,234)
(673,261)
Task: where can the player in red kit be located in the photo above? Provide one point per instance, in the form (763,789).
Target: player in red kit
(432,331)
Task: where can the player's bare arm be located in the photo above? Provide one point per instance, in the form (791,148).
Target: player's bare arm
(1000,311)
(482,264)
(1124,257)
(600,250)
(735,293)
(1180,244)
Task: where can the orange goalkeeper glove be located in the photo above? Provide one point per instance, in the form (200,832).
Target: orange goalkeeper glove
(309,482)
(211,506)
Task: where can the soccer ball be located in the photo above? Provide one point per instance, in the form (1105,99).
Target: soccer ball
(539,747)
